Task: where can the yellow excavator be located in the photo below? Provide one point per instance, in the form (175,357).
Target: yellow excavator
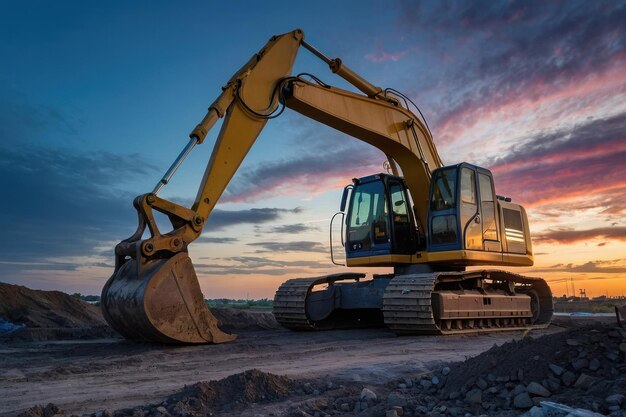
(426,220)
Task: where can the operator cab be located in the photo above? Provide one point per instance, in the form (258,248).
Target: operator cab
(380,219)
(468,224)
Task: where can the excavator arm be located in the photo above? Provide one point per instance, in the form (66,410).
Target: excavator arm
(153,293)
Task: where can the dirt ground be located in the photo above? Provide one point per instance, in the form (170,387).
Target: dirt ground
(61,355)
(86,376)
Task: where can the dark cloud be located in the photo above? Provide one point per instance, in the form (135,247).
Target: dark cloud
(584,160)
(598,267)
(488,52)
(571,236)
(221,219)
(614,266)
(258,262)
(320,163)
(217,240)
(298,246)
(249,265)
(293,228)
(59,202)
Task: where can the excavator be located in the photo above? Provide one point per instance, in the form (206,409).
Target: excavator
(437,226)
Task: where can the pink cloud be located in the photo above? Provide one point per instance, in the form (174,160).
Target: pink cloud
(381,55)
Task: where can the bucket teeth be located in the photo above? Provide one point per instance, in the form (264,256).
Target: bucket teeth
(160,302)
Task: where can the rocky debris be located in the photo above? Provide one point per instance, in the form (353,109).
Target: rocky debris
(522,400)
(582,367)
(537,390)
(48,315)
(50,410)
(556,370)
(508,380)
(368,395)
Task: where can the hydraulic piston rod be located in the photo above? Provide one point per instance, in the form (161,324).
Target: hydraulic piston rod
(193,141)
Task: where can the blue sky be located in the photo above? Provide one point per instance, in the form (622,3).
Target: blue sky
(97,100)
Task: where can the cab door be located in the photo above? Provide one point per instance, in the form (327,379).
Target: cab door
(490,238)
(469,209)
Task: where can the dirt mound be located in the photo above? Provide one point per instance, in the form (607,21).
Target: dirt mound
(48,315)
(232,319)
(223,396)
(584,367)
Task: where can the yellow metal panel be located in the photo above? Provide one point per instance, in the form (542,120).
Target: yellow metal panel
(381,260)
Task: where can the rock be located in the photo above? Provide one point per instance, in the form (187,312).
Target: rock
(399,410)
(584,381)
(434,380)
(568,378)
(394,400)
(345,407)
(454,395)
(612,356)
(360,406)
(622,347)
(316,392)
(523,401)
(519,388)
(492,390)
(425,383)
(481,383)
(594,364)
(402,386)
(553,384)
(572,342)
(503,379)
(556,370)
(368,395)
(391,413)
(537,390)
(408,382)
(535,412)
(615,399)
(474,396)
(579,364)
(520,374)
(160,409)
(329,385)
(445,371)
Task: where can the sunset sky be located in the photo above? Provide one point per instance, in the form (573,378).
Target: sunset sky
(96,100)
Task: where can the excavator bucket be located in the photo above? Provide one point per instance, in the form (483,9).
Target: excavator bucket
(160,301)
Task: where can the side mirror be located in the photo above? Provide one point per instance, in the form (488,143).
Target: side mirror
(344,197)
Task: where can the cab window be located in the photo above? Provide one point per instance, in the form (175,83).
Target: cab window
(444,190)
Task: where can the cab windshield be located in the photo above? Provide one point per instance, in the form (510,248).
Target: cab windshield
(367,223)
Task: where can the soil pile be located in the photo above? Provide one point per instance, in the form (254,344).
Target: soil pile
(229,393)
(48,315)
(232,319)
(584,367)
(203,398)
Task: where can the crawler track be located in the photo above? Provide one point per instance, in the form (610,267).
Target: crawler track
(290,299)
(407,304)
